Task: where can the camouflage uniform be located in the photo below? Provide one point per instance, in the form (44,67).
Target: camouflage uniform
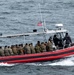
(10,50)
(20,50)
(32,48)
(6,52)
(37,49)
(1,52)
(27,49)
(14,49)
(43,47)
(49,46)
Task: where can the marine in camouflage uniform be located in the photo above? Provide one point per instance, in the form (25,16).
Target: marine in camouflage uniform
(49,46)
(1,51)
(20,49)
(32,48)
(38,47)
(14,49)
(43,47)
(10,50)
(6,52)
(27,49)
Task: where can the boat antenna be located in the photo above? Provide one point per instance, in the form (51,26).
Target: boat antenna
(43,23)
(45,28)
(40,12)
(41,16)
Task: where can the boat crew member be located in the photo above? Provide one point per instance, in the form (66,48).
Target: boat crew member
(60,44)
(50,39)
(67,40)
(56,41)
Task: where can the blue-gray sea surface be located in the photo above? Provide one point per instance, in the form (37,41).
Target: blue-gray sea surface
(19,16)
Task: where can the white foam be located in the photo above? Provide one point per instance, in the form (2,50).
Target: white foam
(34,64)
(63,63)
(5,64)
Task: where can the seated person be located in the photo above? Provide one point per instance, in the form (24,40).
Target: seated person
(49,46)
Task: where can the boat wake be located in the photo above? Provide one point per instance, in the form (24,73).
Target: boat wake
(5,64)
(63,62)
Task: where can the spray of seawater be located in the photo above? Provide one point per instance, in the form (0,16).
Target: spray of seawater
(6,64)
(63,63)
